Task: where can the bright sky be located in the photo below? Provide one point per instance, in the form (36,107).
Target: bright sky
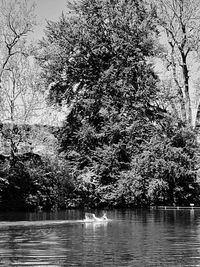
(47,10)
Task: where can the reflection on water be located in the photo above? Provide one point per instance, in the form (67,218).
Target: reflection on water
(131,238)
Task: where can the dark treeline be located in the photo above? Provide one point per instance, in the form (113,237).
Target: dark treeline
(118,146)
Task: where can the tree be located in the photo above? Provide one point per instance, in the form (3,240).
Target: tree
(30,172)
(17,21)
(95,61)
(181,23)
(19,75)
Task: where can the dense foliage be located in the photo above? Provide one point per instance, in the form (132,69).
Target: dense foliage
(121,148)
(34,183)
(117,146)
(28,180)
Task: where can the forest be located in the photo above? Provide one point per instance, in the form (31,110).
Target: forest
(129,134)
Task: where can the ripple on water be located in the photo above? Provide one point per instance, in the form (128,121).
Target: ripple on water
(132,238)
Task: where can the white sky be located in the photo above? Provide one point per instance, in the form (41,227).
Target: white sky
(47,10)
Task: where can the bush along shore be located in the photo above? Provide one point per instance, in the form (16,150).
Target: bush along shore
(132,173)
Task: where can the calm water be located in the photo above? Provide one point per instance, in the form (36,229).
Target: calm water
(131,238)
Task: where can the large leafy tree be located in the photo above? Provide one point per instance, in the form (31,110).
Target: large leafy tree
(96,62)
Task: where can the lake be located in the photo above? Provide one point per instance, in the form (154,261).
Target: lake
(131,238)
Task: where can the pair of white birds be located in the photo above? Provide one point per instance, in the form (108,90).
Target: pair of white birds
(92,217)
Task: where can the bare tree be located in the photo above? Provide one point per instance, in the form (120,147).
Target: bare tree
(19,75)
(22,96)
(17,21)
(179,22)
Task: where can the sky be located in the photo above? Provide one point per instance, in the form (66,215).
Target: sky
(47,10)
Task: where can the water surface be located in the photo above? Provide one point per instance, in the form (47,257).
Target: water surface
(131,238)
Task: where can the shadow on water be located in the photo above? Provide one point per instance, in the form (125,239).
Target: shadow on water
(131,238)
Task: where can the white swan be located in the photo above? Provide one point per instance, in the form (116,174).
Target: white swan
(92,218)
